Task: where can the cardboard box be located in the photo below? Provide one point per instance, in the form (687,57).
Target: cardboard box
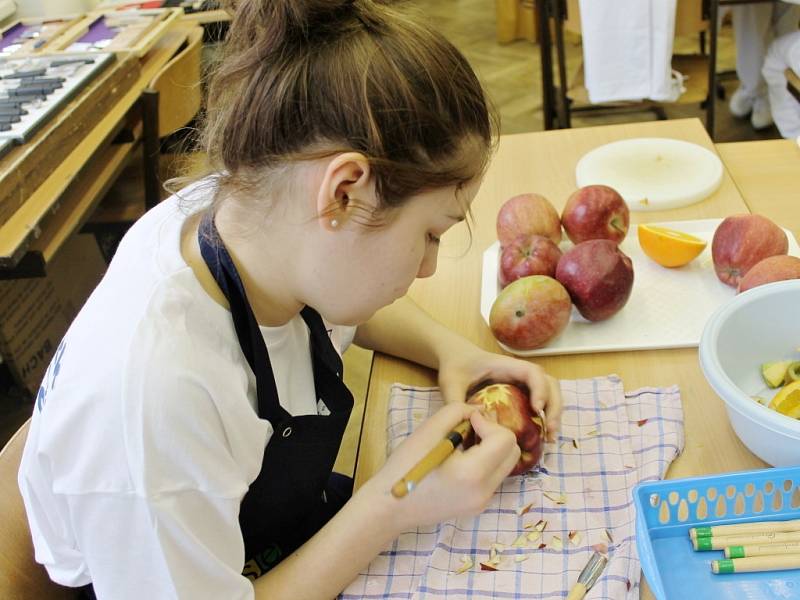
(36,313)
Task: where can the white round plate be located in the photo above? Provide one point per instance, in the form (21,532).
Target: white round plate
(653,173)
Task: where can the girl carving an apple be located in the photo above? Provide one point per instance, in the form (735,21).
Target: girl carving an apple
(190,420)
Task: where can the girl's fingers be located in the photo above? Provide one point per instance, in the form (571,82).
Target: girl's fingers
(440,423)
(538,385)
(429,433)
(483,467)
(486,428)
(498,443)
(554,407)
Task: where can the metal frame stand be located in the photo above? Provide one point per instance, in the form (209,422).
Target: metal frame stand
(556,105)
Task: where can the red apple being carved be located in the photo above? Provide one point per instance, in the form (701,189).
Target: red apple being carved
(772,268)
(528,255)
(598,277)
(510,406)
(595,212)
(530,312)
(527,214)
(741,241)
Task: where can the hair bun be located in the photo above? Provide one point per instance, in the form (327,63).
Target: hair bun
(293,22)
(305,79)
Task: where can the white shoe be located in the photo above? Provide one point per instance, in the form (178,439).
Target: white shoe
(761,118)
(741,104)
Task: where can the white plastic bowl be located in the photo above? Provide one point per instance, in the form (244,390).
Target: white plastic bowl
(760,325)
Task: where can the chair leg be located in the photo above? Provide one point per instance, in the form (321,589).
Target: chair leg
(660,113)
(150,148)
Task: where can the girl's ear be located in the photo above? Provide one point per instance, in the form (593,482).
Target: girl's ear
(347,185)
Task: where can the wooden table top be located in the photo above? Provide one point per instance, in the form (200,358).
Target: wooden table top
(766,174)
(544,162)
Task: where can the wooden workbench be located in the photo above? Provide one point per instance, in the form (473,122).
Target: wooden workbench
(57,208)
(766,174)
(544,162)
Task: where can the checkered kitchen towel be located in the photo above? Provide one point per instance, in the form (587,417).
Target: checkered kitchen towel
(609,441)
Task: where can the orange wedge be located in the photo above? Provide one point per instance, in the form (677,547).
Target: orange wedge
(668,247)
(787,401)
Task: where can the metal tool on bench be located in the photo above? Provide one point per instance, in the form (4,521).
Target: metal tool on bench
(34,88)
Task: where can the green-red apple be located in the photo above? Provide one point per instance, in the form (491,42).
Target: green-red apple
(742,241)
(528,214)
(773,268)
(595,212)
(530,312)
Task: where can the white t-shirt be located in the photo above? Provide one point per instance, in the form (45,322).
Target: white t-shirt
(145,437)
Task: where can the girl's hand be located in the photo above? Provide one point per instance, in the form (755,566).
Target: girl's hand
(462,369)
(462,485)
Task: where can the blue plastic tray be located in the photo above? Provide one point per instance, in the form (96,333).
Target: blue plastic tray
(665,510)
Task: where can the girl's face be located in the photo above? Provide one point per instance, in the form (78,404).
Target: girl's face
(364,269)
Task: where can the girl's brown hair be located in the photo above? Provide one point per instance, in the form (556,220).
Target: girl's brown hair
(302,79)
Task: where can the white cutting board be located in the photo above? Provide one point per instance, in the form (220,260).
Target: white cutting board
(668,308)
(653,173)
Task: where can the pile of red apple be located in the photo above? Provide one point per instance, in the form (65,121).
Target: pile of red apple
(750,250)
(540,283)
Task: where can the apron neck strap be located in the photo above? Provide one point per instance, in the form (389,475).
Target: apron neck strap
(248,332)
(321,344)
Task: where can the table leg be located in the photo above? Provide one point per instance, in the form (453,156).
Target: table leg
(545,50)
(713,12)
(559,10)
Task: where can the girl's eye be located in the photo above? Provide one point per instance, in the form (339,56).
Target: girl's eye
(432,239)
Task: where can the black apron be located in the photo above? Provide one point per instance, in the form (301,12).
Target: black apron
(295,494)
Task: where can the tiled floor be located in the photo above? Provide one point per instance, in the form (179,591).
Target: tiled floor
(511,75)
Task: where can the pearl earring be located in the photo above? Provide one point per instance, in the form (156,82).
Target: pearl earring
(334,223)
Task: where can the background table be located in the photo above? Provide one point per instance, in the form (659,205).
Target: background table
(766,174)
(57,208)
(544,162)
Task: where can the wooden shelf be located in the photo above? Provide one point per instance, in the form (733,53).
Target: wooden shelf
(20,231)
(74,207)
(81,198)
(163,19)
(207,16)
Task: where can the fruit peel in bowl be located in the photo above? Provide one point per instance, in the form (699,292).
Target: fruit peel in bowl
(757,324)
(787,400)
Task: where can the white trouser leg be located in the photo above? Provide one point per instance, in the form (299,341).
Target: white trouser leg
(752,30)
(784,52)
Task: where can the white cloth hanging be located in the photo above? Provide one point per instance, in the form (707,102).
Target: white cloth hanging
(627,50)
